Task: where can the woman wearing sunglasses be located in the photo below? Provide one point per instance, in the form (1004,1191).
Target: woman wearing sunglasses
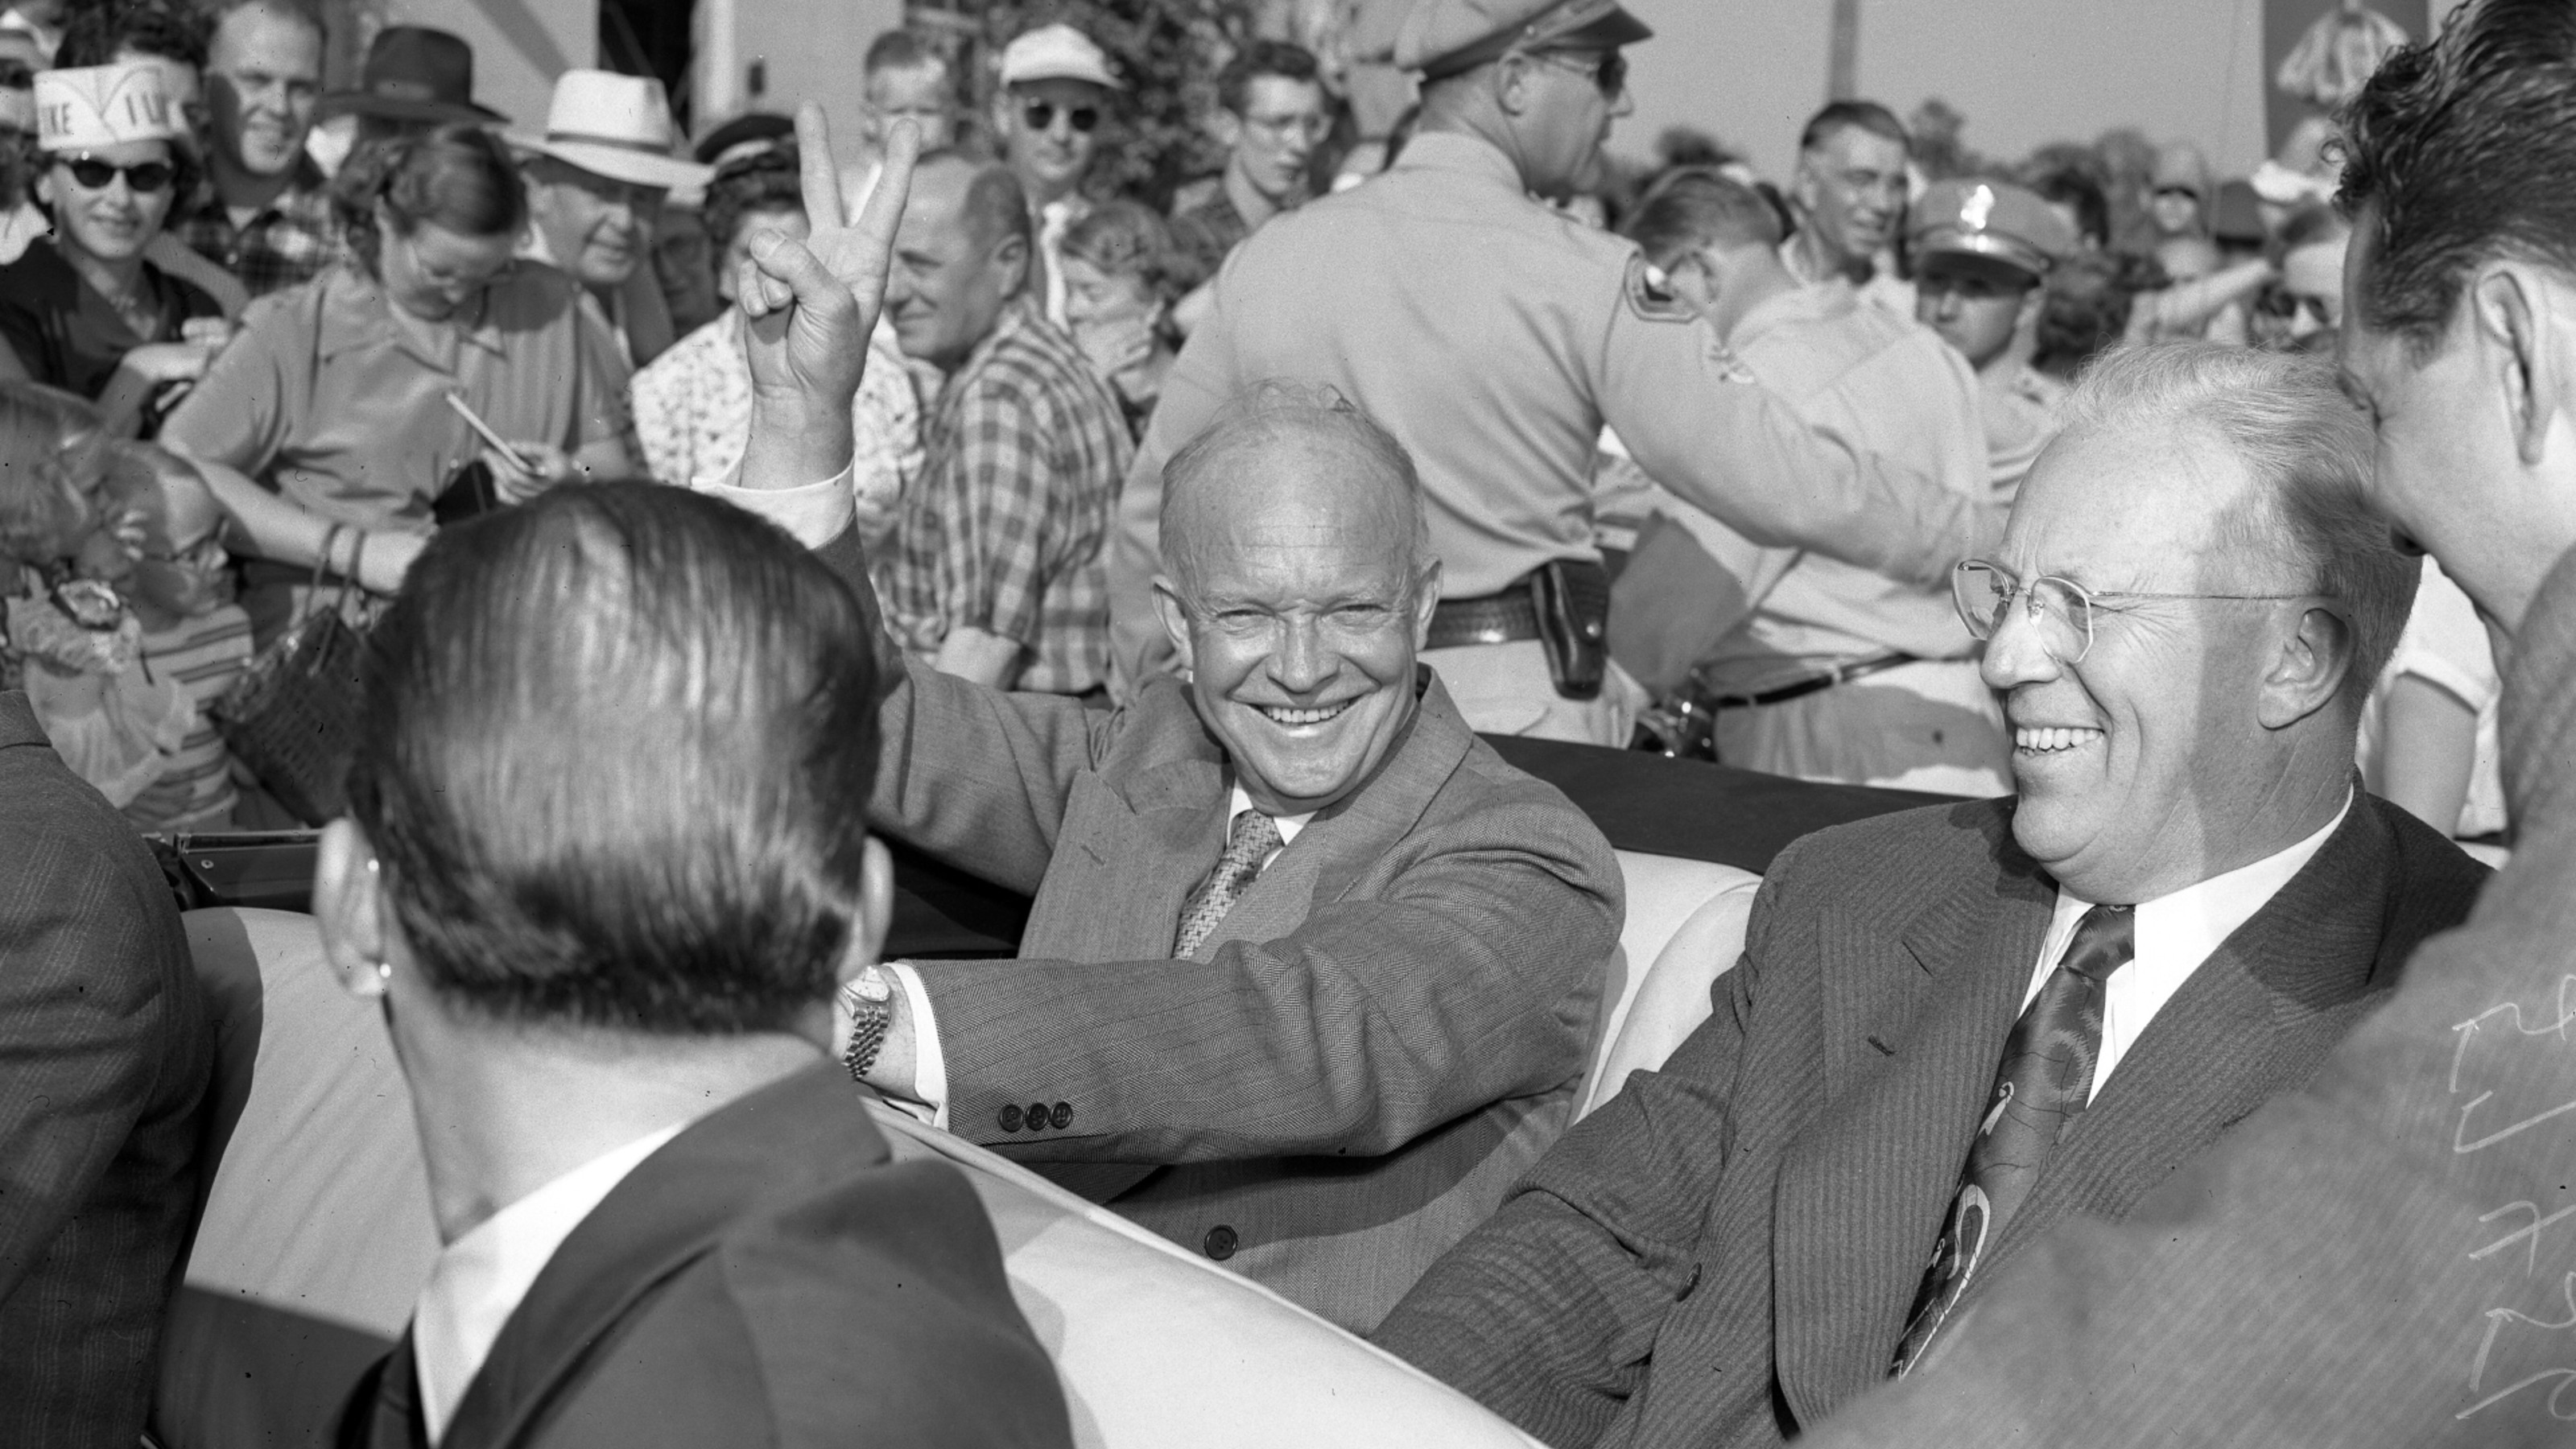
(82,310)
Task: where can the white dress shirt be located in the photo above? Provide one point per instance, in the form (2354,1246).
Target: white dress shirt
(930,1064)
(2175,934)
(478,1280)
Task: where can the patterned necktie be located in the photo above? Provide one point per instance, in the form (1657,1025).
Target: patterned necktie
(1249,843)
(2046,1078)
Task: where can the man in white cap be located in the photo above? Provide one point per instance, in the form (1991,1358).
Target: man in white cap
(1494,339)
(1056,86)
(596,180)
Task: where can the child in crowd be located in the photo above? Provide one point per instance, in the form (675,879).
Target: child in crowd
(194,637)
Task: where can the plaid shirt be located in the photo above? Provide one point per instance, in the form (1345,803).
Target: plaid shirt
(286,244)
(1005,529)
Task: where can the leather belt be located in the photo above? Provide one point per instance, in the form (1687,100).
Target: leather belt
(1494,619)
(1813,684)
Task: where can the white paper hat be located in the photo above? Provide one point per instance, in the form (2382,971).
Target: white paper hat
(105,105)
(1057,52)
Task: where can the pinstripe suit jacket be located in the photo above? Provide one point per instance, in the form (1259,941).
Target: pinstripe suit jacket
(1383,1034)
(1730,1247)
(105,1047)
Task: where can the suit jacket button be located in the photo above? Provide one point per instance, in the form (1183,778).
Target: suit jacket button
(1690,1285)
(1219,1242)
(1011,1117)
(1037,1117)
(1061,1116)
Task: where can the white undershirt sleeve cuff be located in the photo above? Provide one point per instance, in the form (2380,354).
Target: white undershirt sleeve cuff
(929,1063)
(814,514)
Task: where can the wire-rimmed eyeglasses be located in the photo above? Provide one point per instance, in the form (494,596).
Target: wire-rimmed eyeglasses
(2062,608)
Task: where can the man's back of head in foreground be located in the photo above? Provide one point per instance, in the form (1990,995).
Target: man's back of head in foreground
(605,865)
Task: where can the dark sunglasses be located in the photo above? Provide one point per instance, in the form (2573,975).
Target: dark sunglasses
(1609,71)
(144,178)
(1041,114)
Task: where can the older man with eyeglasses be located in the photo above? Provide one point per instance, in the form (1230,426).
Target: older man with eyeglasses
(1954,1027)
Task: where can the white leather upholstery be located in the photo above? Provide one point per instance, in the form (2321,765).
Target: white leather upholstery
(1678,911)
(320,1210)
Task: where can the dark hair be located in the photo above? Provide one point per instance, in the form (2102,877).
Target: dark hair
(457,175)
(995,204)
(1840,116)
(1128,239)
(899,50)
(2308,226)
(1263,57)
(1693,208)
(763,181)
(96,33)
(304,12)
(616,752)
(2464,150)
(2069,187)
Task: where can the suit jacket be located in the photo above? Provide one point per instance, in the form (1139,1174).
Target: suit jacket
(770,1276)
(2384,1260)
(1387,1029)
(105,1048)
(1730,1247)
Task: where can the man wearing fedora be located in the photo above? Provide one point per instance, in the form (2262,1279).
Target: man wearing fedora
(1056,88)
(414,78)
(596,180)
(270,226)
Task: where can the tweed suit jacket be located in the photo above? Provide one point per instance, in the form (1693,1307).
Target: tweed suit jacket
(105,1049)
(1730,1247)
(2384,1260)
(770,1276)
(1385,1031)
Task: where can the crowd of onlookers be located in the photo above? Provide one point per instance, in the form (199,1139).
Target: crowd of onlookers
(708,511)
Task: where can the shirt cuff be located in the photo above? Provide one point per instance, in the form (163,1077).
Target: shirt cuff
(813,515)
(929,1063)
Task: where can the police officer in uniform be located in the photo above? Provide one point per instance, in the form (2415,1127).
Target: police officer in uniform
(1983,251)
(1495,337)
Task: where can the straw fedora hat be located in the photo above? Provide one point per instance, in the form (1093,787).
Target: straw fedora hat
(412,73)
(617,126)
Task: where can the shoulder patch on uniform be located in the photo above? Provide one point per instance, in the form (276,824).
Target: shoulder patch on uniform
(1651,295)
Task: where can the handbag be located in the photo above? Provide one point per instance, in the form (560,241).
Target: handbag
(292,716)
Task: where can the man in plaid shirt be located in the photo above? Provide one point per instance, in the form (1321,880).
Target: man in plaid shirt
(994,572)
(269,220)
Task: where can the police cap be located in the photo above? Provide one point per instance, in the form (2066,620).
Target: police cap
(1443,38)
(1995,220)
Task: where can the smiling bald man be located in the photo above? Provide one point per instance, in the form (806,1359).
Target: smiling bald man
(1311,972)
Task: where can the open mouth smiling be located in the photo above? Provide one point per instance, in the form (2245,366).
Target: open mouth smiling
(2049,739)
(1292,717)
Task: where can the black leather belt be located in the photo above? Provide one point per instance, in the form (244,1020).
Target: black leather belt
(1813,684)
(1494,619)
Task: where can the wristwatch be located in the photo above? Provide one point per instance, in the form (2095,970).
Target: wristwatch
(870,999)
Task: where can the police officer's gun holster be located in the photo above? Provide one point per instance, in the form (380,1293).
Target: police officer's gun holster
(1572,598)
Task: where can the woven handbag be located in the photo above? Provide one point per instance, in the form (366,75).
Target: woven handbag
(292,716)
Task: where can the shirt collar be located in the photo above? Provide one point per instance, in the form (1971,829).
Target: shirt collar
(2185,927)
(478,1280)
(1460,152)
(1288,825)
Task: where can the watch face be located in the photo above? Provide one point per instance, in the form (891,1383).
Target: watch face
(871,986)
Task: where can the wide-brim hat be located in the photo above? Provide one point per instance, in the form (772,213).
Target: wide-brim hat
(617,126)
(413,73)
(1442,38)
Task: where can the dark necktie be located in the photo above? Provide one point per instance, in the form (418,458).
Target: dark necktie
(2046,1078)
(1248,843)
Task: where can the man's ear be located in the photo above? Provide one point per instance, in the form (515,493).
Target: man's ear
(2033,302)
(351,908)
(1176,618)
(1228,127)
(876,910)
(1426,602)
(2514,324)
(1011,255)
(2309,671)
(1511,82)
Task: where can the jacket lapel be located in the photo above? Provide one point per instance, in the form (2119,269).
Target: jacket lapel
(1338,844)
(2254,1019)
(1132,850)
(806,1129)
(1865,1186)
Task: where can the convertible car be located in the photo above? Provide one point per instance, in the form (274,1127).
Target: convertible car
(315,1236)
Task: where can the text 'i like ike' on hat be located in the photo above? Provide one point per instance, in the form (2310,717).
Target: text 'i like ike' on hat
(105,105)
